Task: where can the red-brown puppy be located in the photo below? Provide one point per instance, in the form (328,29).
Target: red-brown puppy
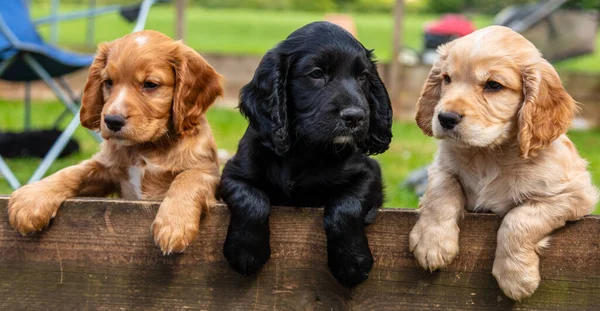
(147,95)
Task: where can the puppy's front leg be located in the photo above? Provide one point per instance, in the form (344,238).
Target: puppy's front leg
(247,246)
(31,207)
(523,233)
(177,222)
(348,254)
(434,238)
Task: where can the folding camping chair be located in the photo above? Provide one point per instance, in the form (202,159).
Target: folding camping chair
(26,57)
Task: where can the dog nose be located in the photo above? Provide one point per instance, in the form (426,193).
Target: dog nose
(449,119)
(114,122)
(352,116)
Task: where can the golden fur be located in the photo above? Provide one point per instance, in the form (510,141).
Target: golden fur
(165,151)
(508,154)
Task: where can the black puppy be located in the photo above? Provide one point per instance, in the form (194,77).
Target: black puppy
(317,108)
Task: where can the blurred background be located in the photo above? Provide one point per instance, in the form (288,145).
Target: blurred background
(233,35)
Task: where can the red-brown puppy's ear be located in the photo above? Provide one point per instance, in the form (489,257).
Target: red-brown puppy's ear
(92,100)
(430,94)
(547,109)
(197,86)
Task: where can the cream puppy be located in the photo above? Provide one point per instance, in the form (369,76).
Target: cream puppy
(501,113)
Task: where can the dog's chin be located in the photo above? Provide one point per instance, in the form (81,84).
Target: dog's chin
(117,138)
(467,137)
(343,139)
(124,142)
(121,138)
(129,136)
(349,137)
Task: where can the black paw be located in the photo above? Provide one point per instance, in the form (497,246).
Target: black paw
(247,251)
(349,260)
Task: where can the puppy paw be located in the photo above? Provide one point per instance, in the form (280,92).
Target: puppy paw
(518,276)
(31,207)
(173,232)
(434,246)
(349,259)
(247,251)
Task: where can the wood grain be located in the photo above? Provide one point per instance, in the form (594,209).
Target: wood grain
(99,255)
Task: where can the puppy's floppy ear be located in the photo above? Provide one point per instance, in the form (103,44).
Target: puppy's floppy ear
(379,135)
(92,100)
(547,110)
(197,86)
(263,102)
(431,92)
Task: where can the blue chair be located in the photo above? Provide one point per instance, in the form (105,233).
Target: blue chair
(26,57)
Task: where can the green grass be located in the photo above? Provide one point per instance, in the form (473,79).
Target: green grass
(242,31)
(409,150)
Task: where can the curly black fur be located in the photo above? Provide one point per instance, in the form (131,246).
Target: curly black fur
(298,151)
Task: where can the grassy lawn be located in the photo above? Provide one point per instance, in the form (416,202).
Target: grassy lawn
(410,149)
(254,32)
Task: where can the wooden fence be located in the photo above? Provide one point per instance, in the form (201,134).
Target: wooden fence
(99,254)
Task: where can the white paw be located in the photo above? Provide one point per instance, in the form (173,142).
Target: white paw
(518,275)
(434,246)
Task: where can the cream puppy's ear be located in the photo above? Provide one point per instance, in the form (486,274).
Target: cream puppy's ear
(547,109)
(430,94)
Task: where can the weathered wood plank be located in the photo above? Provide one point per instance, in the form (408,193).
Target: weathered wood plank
(99,254)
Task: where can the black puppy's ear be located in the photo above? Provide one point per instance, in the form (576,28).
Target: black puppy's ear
(263,102)
(379,135)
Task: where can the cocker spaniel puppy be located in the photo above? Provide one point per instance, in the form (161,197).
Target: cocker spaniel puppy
(317,108)
(501,114)
(147,95)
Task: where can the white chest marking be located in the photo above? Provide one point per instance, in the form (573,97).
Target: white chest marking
(132,188)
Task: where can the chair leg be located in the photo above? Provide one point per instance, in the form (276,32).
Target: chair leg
(67,89)
(4,169)
(56,149)
(27,106)
(60,93)
(63,139)
(39,70)
(8,174)
(60,118)
(65,86)
(6,63)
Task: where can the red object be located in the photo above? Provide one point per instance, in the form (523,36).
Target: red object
(451,24)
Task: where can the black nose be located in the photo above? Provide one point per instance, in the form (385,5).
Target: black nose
(114,122)
(449,119)
(352,116)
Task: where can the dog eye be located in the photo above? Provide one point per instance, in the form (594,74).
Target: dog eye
(150,85)
(363,76)
(108,83)
(493,86)
(317,74)
(447,79)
